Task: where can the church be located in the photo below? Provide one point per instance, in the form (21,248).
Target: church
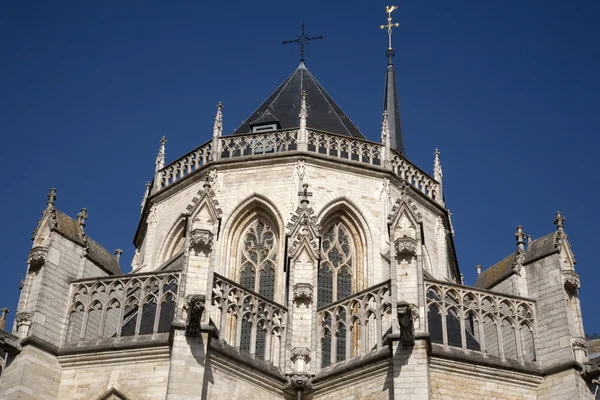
(336,280)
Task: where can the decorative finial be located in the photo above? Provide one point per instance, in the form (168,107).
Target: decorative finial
(118,253)
(51,197)
(81,217)
(218,125)
(462,279)
(305,194)
(389,26)
(146,194)
(437,169)
(478,268)
(302,40)
(559,221)
(385,129)
(520,235)
(160,158)
(3,312)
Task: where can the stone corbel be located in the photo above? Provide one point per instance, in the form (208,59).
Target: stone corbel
(37,258)
(571,281)
(406,245)
(300,357)
(303,292)
(201,239)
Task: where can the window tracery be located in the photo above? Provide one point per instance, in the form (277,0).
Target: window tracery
(258,255)
(335,282)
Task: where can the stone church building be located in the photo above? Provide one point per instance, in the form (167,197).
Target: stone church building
(337,279)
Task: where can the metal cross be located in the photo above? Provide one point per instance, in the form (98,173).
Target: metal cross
(389,26)
(302,40)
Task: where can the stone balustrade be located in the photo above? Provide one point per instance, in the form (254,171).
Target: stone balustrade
(483,321)
(326,144)
(249,321)
(125,305)
(355,325)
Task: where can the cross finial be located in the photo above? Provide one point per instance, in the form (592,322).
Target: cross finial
(81,217)
(305,194)
(302,40)
(389,26)
(51,197)
(520,235)
(559,221)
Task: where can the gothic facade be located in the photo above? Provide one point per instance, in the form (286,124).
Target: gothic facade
(294,259)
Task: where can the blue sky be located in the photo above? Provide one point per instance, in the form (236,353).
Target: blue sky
(508,91)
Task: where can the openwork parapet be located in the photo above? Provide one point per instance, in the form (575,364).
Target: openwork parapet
(355,325)
(125,305)
(490,323)
(345,147)
(184,166)
(248,320)
(258,143)
(415,177)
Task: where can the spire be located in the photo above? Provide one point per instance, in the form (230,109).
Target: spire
(160,158)
(390,100)
(218,126)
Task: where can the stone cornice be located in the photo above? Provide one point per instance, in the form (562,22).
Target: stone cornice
(9,343)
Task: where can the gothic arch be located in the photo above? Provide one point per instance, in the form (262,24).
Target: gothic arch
(174,241)
(347,211)
(254,208)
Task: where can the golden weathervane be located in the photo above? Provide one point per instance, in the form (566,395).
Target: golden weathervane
(390,25)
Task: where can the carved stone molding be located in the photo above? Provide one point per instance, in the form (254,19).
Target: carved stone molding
(9,343)
(201,238)
(37,257)
(571,281)
(300,353)
(406,245)
(579,344)
(303,291)
(24,318)
(194,305)
(299,381)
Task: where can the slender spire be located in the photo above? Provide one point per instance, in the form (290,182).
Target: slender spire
(390,100)
(160,158)
(218,126)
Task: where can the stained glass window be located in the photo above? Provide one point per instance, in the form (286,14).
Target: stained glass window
(335,283)
(258,256)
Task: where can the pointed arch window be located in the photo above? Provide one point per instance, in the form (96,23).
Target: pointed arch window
(258,257)
(335,282)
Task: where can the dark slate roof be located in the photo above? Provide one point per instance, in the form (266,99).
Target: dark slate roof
(69,228)
(284,106)
(392,106)
(503,269)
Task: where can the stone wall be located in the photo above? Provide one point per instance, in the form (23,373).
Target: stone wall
(456,380)
(138,374)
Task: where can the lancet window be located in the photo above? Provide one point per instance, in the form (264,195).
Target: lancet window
(335,282)
(258,257)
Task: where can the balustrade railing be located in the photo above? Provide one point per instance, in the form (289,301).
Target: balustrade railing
(327,144)
(184,166)
(125,305)
(248,321)
(355,325)
(415,177)
(258,143)
(475,320)
(345,147)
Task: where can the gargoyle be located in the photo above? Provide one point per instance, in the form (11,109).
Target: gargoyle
(405,320)
(195,308)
